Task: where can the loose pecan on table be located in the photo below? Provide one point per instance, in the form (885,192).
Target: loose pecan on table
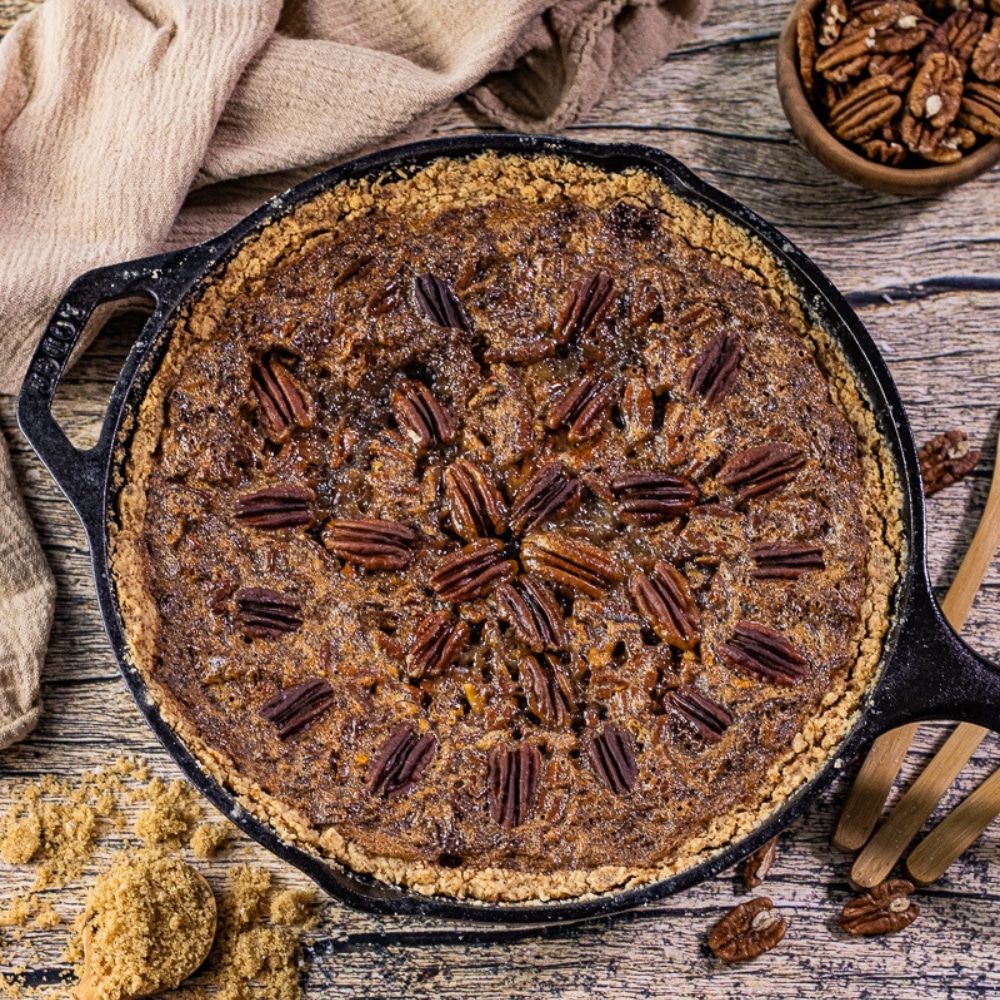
(765,653)
(665,598)
(885,909)
(438,641)
(533,612)
(420,416)
(709,717)
(747,931)
(785,560)
(585,407)
(438,303)
(371,542)
(293,708)
(548,692)
(570,562)
(401,762)
(477,508)
(512,783)
(284,402)
(646,498)
(283,506)
(473,571)
(584,305)
(762,469)
(758,865)
(612,756)
(945,459)
(547,493)
(265,613)
(712,373)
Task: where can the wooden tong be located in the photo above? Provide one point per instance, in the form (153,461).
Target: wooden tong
(879,771)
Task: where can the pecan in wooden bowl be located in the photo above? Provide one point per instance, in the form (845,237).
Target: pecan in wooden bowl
(897,96)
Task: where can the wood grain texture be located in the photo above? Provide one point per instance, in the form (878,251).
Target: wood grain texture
(925,278)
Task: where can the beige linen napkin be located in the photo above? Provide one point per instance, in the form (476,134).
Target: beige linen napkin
(111,111)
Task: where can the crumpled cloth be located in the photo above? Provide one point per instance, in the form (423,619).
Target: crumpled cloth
(112,111)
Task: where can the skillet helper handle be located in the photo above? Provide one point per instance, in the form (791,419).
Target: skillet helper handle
(80,473)
(935,676)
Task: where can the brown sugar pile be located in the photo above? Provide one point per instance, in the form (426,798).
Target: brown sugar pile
(152,921)
(54,829)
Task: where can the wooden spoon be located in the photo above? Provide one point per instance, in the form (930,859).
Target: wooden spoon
(89,987)
(875,862)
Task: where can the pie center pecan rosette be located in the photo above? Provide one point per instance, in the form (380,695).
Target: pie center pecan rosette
(506,531)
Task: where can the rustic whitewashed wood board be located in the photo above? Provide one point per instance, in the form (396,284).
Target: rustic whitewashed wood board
(925,276)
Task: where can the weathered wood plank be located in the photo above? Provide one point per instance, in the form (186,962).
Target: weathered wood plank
(714,106)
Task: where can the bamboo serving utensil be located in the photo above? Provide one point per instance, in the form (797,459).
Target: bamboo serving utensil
(875,862)
(956,832)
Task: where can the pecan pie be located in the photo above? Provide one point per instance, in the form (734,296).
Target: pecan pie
(506,530)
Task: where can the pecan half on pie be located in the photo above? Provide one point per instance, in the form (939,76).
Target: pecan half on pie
(506,530)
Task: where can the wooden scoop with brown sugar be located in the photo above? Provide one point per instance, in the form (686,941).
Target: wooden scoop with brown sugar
(149,924)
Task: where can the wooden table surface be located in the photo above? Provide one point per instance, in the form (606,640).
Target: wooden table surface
(924,275)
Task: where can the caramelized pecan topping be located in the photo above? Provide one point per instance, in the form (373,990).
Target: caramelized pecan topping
(401,762)
(764,652)
(533,612)
(583,306)
(438,641)
(785,560)
(712,373)
(421,417)
(276,507)
(665,598)
(439,304)
(266,613)
(371,542)
(612,756)
(548,492)
(758,865)
(708,717)
(292,709)
(885,909)
(284,402)
(646,304)
(473,571)
(548,692)
(512,783)
(351,270)
(762,469)
(652,497)
(945,459)
(570,562)
(584,408)
(747,930)
(477,508)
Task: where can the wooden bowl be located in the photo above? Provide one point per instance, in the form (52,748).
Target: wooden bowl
(841,159)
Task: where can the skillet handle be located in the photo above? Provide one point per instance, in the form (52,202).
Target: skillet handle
(933,674)
(79,473)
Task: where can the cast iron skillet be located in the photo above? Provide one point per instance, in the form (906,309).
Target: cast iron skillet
(927,672)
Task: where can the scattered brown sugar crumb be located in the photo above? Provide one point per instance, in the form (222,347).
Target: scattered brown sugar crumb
(173,809)
(253,957)
(21,840)
(152,921)
(209,837)
(296,907)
